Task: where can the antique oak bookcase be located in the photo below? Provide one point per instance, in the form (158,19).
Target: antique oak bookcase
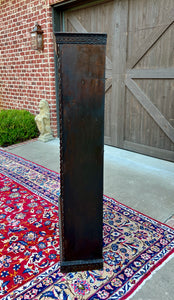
(81,68)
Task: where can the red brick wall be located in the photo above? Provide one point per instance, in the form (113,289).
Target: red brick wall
(26,75)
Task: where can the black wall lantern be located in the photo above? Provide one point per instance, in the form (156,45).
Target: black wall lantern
(37,38)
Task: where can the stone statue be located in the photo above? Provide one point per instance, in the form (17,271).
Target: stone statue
(43,122)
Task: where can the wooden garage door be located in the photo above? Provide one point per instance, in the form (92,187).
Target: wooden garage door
(139,102)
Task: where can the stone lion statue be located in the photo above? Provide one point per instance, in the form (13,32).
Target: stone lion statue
(43,122)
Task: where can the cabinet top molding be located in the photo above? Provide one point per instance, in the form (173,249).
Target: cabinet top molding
(81,38)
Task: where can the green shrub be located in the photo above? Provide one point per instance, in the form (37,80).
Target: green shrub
(16,126)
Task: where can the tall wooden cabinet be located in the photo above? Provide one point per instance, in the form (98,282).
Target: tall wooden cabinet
(81,111)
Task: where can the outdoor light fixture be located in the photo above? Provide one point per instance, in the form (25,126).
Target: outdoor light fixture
(37,38)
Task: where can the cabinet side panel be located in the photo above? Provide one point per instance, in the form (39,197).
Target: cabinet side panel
(82,97)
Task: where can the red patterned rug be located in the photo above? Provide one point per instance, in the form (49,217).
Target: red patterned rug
(134,244)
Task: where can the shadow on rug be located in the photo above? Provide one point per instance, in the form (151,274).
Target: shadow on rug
(134,244)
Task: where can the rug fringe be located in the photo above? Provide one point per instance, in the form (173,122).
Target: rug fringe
(150,276)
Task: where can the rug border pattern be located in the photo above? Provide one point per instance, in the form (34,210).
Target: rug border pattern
(127,289)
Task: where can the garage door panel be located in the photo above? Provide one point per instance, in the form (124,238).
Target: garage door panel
(140,127)
(139,101)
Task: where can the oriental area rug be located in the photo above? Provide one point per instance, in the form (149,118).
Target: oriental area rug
(134,245)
